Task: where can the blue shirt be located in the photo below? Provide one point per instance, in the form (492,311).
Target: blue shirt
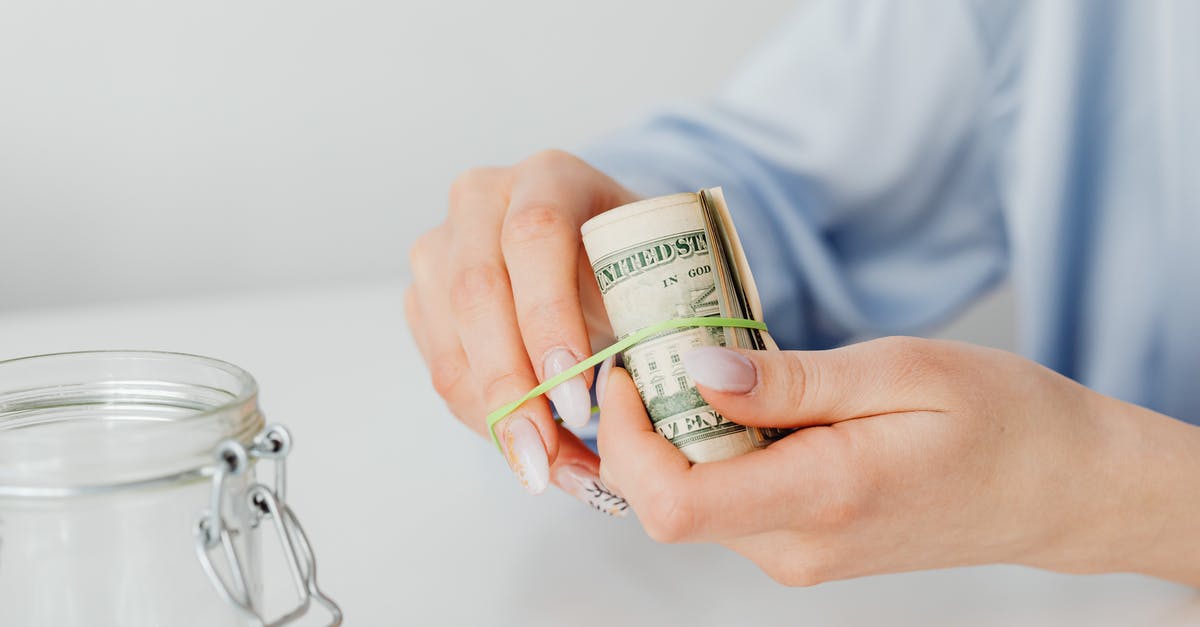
(887,162)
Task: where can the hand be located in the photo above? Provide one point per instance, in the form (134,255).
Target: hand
(503,297)
(915,454)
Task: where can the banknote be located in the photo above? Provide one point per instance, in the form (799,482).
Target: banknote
(678,256)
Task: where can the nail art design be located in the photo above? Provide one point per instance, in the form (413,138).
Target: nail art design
(526,455)
(605,500)
(587,487)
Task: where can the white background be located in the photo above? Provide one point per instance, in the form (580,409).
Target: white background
(167,147)
(163,149)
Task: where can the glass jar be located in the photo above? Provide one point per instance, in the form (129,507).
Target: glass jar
(128,494)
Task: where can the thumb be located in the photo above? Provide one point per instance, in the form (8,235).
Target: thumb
(805,388)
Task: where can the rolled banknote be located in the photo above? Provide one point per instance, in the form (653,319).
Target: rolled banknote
(671,257)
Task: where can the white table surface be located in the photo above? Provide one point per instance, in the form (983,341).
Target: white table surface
(416,521)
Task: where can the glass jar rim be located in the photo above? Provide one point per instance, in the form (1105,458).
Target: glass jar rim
(88,422)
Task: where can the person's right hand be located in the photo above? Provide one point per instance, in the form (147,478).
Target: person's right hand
(503,297)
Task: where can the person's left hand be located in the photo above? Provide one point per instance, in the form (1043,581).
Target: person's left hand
(914,454)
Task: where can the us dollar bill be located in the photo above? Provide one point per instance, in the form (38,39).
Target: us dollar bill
(671,257)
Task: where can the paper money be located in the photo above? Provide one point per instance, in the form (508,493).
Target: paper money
(671,257)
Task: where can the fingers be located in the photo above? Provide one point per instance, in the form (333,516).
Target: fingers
(496,304)
(540,240)
(427,307)
(483,311)
(629,445)
(550,200)
(576,468)
(677,502)
(576,471)
(804,388)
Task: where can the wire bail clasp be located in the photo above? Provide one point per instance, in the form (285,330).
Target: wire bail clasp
(212,534)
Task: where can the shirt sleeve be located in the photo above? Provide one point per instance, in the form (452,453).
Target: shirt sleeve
(853,153)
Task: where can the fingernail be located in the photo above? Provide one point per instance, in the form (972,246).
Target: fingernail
(570,398)
(526,454)
(602,379)
(721,369)
(586,486)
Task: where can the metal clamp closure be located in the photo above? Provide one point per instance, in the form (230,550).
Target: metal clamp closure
(212,534)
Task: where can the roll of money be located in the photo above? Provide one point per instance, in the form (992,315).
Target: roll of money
(672,257)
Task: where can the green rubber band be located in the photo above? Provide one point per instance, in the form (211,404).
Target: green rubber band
(622,344)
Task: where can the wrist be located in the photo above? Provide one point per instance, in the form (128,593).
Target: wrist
(1153,524)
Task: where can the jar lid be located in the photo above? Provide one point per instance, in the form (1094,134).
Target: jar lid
(76,424)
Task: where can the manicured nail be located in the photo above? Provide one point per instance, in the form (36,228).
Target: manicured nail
(570,398)
(602,379)
(721,369)
(526,454)
(586,486)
